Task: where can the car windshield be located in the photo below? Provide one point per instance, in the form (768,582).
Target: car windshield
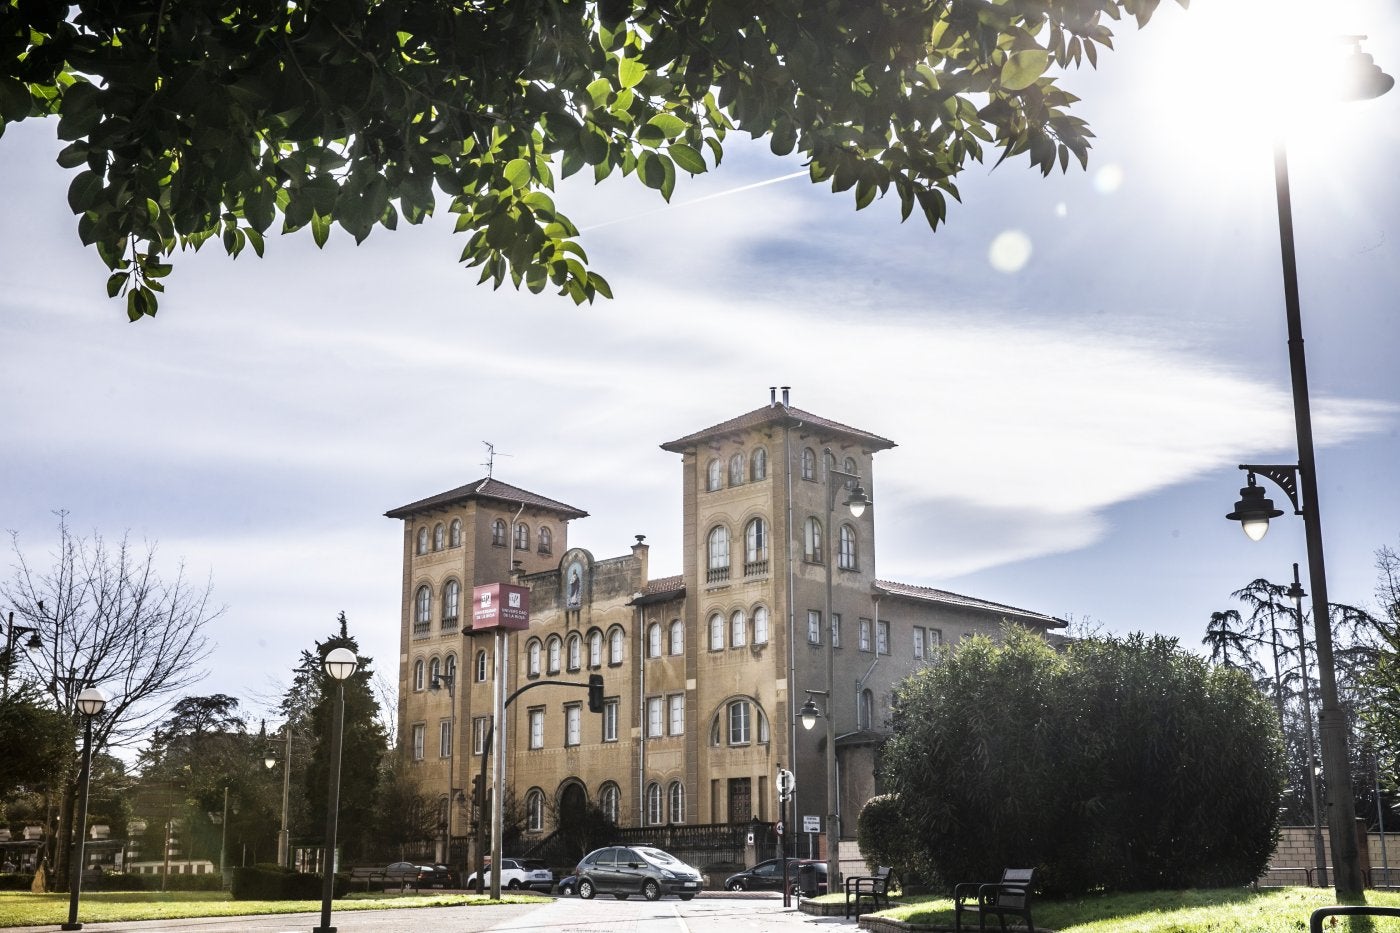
(657,857)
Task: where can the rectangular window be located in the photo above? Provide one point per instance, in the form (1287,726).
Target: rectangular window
(882,637)
(479,735)
(445,739)
(537,728)
(836,630)
(865,635)
(573,719)
(654,717)
(919,635)
(935,638)
(814,627)
(676,725)
(739,722)
(610,720)
(419,740)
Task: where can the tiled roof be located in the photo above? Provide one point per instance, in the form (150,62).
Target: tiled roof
(780,415)
(929,594)
(661,590)
(487,488)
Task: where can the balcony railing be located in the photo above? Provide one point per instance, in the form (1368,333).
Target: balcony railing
(449,624)
(422,629)
(717,575)
(754,568)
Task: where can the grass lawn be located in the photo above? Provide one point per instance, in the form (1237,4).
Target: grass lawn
(19,908)
(1229,910)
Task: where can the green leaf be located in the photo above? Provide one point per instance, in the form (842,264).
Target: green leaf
(651,169)
(687,158)
(74,154)
(80,111)
(517,172)
(115,283)
(630,72)
(85,191)
(669,124)
(320,228)
(15,102)
(1022,69)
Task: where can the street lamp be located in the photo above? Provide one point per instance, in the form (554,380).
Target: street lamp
(90,704)
(856,501)
(12,632)
(270,762)
(447,680)
(1295,592)
(1299,482)
(339,665)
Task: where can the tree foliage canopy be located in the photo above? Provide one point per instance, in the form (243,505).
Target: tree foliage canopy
(1123,764)
(209,119)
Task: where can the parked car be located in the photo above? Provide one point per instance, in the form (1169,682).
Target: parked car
(454,876)
(567,885)
(626,870)
(768,875)
(411,874)
(519,873)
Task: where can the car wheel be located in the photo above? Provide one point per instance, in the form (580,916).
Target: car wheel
(586,889)
(514,885)
(566,890)
(651,890)
(736,885)
(685,897)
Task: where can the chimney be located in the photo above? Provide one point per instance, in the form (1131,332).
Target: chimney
(772,395)
(785,395)
(640,550)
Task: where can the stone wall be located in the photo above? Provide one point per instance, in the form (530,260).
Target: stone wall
(1296,857)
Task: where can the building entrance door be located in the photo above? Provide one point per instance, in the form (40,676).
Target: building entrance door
(740,800)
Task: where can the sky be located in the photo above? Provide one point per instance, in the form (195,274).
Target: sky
(1072,367)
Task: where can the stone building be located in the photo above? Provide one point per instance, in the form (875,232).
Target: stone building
(703,672)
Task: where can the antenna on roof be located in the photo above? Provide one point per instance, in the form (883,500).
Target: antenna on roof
(491,456)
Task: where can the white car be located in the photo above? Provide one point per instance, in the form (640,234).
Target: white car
(518,873)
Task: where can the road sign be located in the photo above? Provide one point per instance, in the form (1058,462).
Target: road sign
(786,783)
(811,824)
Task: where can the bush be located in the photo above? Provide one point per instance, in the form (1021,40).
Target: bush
(17,881)
(275,883)
(886,838)
(1125,764)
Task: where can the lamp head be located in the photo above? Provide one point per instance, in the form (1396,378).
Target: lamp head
(857,502)
(1362,78)
(91,701)
(269,760)
(1253,511)
(34,643)
(809,714)
(341,663)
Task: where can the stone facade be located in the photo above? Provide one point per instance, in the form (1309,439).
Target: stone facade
(1295,859)
(703,671)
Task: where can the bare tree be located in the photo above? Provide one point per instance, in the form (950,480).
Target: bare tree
(107,618)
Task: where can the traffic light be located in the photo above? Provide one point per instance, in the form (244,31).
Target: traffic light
(595,693)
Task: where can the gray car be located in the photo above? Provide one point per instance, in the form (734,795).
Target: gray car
(626,870)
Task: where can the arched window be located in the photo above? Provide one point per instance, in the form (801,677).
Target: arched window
(716,632)
(714,475)
(615,646)
(424,613)
(434,672)
(423,540)
(439,536)
(675,798)
(522,537)
(812,541)
(454,533)
(846,549)
(595,649)
(481,667)
(718,551)
(738,629)
(553,655)
(654,640)
(534,810)
(449,668)
(533,655)
(809,464)
(849,467)
(677,636)
(418,674)
(575,652)
(546,539)
(867,709)
(608,799)
(498,533)
(736,470)
(758,465)
(756,546)
(653,804)
(451,603)
(760,625)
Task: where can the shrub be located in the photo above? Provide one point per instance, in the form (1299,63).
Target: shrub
(1124,764)
(886,838)
(17,881)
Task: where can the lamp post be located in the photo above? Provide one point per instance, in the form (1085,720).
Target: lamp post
(90,704)
(1299,483)
(1295,592)
(12,632)
(270,761)
(856,502)
(447,681)
(339,665)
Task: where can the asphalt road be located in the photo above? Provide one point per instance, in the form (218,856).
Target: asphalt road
(711,912)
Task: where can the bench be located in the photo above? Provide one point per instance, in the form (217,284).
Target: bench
(874,889)
(369,876)
(1012,895)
